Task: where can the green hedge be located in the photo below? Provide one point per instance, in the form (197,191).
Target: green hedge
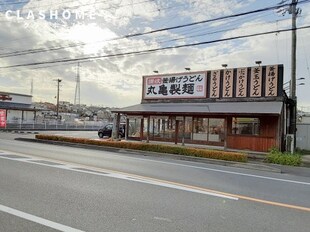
(277,157)
(212,154)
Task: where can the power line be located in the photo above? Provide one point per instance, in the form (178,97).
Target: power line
(150,50)
(39,50)
(213,20)
(203,34)
(12,3)
(81,5)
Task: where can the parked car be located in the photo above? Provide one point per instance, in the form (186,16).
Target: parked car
(107,130)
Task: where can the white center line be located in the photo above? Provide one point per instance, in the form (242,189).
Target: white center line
(38,220)
(210,169)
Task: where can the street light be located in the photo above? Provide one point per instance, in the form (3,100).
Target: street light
(155,71)
(258,62)
(187,69)
(288,88)
(289,82)
(224,65)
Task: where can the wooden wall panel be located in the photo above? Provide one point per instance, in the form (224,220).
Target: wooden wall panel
(254,143)
(269,126)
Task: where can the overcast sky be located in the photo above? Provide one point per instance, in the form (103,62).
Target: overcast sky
(117,81)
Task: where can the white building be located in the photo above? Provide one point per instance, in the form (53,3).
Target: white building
(18,107)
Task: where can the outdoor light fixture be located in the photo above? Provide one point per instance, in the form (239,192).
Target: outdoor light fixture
(258,62)
(224,65)
(155,71)
(187,69)
(289,82)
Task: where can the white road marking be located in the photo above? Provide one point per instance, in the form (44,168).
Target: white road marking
(38,220)
(128,177)
(163,219)
(222,171)
(238,173)
(210,169)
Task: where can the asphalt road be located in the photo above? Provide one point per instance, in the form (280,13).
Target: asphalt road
(51,188)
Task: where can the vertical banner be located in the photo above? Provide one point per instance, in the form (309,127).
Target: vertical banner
(215,84)
(256,82)
(271,89)
(242,82)
(228,83)
(2,118)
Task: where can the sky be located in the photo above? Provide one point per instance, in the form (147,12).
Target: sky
(36,48)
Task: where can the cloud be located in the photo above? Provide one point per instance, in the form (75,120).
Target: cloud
(201,10)
(118,81)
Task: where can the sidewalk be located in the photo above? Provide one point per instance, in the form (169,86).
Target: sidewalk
(306,160)
(257,157)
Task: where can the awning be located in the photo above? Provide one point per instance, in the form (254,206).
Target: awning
(17,106)
(219,108)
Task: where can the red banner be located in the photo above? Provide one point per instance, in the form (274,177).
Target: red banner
(2,118)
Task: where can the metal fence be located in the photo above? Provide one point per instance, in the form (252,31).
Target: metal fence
(303,136)
(55,125)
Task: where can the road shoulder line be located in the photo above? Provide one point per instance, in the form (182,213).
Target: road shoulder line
(38,220)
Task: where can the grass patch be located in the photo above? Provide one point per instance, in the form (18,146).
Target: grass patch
(277,157)
(187,151)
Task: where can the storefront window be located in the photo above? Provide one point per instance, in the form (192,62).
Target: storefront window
(188,129)
(167,129)
(216,130)
(245,126)
(134,127)
(161,127)
(195,129)
(208,129)
(200,129)
(155,127)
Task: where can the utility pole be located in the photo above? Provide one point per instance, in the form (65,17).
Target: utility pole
(31,87)
(57,106)
(294,11)
(77,96)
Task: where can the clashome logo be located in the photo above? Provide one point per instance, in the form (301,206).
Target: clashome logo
(50,15)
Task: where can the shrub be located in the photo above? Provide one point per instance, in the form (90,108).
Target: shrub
(212,154)
(277,157)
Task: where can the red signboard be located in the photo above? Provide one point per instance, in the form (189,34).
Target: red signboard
(2,118)
(5,97)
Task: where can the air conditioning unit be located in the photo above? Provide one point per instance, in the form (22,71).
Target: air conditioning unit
(289,142)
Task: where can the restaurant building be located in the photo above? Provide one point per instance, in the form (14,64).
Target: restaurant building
(15,108)
(238,108)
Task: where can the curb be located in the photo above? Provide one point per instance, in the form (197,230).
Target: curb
(252,166)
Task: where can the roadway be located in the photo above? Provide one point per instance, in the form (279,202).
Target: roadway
(48,187)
